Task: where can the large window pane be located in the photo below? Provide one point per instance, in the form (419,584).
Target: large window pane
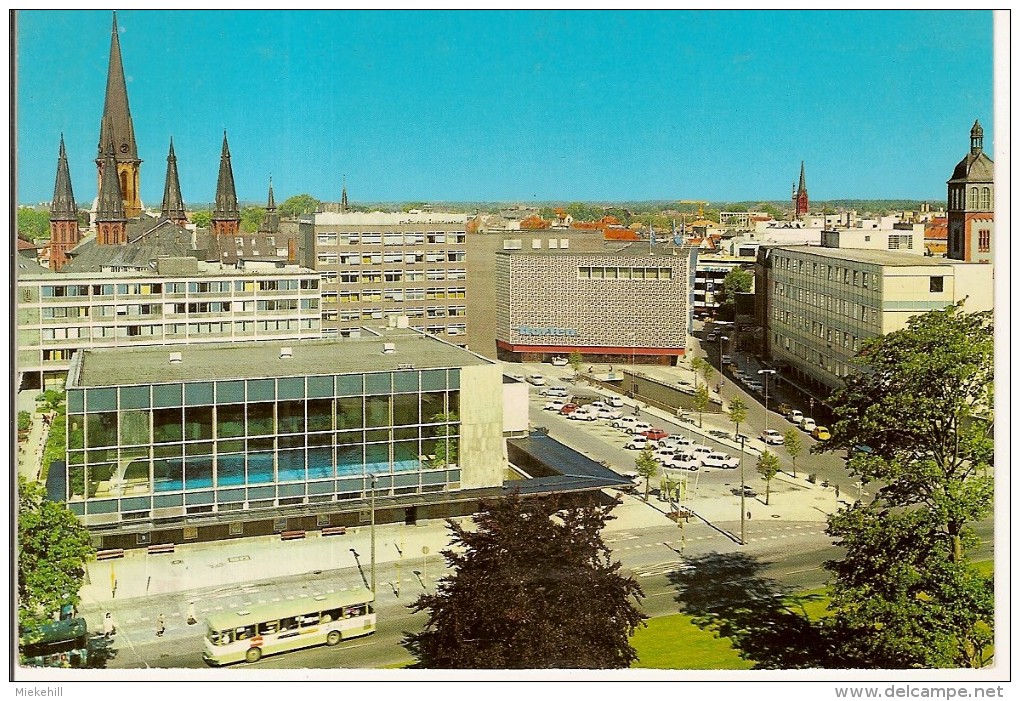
(453,404)
(377,457)
(348,461)
(134,428)
(230,420)
(260,419)
(135,462)
(260,468)
(198,421)
(198,393)
(320,415)
(229,470)
(198,472)
(377,383)
(168,474)
(99,476)
(405,410)
(433,405)
(102,429)
(75,431)
(291,465)
(167,425)
(377,411)
(405,456)
(230,392)
(290,417)
(320,463)
(349,413)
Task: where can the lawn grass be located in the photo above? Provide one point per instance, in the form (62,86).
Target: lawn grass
(674,642)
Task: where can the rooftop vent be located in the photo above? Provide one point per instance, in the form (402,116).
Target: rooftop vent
(389,348)
(286,352)
(175,358)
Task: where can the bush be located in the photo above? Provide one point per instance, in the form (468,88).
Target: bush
(812,478)
(24,421)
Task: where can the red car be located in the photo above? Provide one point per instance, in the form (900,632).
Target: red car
(654,434)
(568,408)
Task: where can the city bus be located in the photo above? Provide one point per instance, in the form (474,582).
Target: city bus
(61,643)
(291,624)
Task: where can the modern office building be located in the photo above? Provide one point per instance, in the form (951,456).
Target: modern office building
(376,264)
(820,304)
(199,442)
(176,300)
(622,307)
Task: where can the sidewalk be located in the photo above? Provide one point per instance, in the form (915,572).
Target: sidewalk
(30,451)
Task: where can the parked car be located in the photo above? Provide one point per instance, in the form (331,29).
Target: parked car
(598,405)
(720,460)
(559,361)
(754,385)
(675,443)
(625,422)
(807,424)
(683,461)
(636,443)
(664,455)
(554,404)
(795,416)
(554,391)
(536,380)
(726,359)
(701,450)
(582,414)
(772,437)
(654,434)
(821,433)
(639,427)
(711,338)
(568,408)
(716,433)
(609,414)
(615,402)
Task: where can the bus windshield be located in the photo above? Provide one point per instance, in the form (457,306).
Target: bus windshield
(288,625)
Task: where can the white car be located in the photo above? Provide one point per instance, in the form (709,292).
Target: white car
(795,416)
(639,427)
(582,415)
(554,391)
(554,404)
(675,443)
(807,424)
(636,443)
(772,437)
(624,422)
(559,361)
(683,461)
(536,380)
(598,405)
(700,451)
(755,385)
(609,414)
(615,402)
(663,455)
(726,360)
(516,376)
(721,460)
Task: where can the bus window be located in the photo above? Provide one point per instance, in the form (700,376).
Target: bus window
(221,638)
(269,627)
(243,633)
(289,623)
(331,615)
(352,611)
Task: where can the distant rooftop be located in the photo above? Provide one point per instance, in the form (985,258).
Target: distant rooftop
(388,218)
(635,249)
(878,257)
(167,267)
(264,359)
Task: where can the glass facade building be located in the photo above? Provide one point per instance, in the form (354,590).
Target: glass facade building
(217,442)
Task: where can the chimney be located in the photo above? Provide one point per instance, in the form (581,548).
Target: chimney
(389,348)
(286,352)
(175,358)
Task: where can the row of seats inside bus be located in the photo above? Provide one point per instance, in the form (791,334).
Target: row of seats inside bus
(288,626)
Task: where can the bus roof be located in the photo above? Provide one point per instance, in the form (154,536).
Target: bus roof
(55,632)
(288,607)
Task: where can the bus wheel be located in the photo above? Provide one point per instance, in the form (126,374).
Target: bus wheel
(254,654)
(333,637)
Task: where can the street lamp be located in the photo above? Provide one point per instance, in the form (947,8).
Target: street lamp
(766,373)
(371,528)
(743,511)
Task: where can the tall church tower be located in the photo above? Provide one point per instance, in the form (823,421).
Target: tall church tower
(971,203)
(271,221)
(173,204)
(64,232)
(111,220)
(116,126)
(226,217)
(800,197)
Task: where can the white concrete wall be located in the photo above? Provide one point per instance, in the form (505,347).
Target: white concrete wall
(482,456)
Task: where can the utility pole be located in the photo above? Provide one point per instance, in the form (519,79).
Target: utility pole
(743,511)
(372,529)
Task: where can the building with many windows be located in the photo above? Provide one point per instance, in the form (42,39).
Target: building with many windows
(177,300)
(377,264)
(622,307)
(821,304)
(239,436)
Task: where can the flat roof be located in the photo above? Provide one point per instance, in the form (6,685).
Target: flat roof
(632,251)
(387,218)
(877,256)
(262,359)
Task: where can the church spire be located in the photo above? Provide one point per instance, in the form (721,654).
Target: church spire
(64,234)
(977,138)
(226,217)
(173,204)
(800,198)
(271,220)
(111,223)
(63,208)
(343,197)
(116,126)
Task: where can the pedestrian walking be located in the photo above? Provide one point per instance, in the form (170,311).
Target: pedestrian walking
(160,626)
(109,626)
(837,491)
(192,620)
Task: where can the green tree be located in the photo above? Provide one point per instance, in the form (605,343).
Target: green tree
(701,401)
(794,446)
(202,218)
(697,365)
(446,445)
(531,586)
(251,218)
(24,420)
(917,419)
(768,467)
(575,359)
(298,205)
(737,280)
(647,466)
(708,372)
(33,223)
(738,414)
(53,548)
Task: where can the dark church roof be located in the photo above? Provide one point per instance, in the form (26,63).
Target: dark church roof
(173,204)
(148,239)
(975,166)
(63,207)
(116,125)
(226,208)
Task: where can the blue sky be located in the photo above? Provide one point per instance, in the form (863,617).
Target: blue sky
(514,106)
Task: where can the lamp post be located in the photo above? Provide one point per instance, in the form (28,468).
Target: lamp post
(743,511)
(371,528)
(766,373)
